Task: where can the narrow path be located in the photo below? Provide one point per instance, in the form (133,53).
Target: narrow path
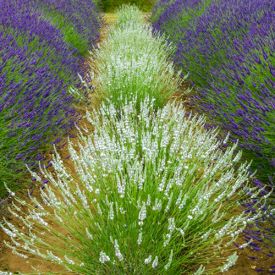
(10,262)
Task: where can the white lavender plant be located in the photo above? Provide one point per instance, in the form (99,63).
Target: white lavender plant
(134,62)
(148,193)
(129,13)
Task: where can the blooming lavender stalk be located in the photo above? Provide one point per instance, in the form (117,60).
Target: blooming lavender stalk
(152,181)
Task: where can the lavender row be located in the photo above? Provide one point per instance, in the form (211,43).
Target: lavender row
(228,49)
(37,68)
(78,20)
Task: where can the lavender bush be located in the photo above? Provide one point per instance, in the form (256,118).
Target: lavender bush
(148,192)
(159,8)
(79,21)
(228,49)
(171,17)
(37,67)
(110,5)
(134,62)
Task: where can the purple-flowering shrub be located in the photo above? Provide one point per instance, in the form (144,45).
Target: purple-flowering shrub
(32,32)
(228,49)
(37,67)
(82,13)
(79,21)
(171,16)
(159,8)
(242,95)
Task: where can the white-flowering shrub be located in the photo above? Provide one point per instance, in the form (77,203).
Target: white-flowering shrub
(129,13)
(149,192)
(134,62)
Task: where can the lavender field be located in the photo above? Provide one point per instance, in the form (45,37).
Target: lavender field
(137,137)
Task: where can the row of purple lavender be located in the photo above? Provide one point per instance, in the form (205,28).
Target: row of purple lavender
(78,21)
(37,68)
(227,47)
(82,14)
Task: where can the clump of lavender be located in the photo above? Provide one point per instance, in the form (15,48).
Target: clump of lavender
(37,68)
(172,17)
(241,93)
(111,5)
(33,33)
(148,192)
(159,7)
(165,11)
(135,62)
(227,48)
(79,21)
(129,14)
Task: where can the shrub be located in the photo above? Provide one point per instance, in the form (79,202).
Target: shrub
(134,62)
(227,48)
(111,5)
(30,29)
(79,21)
(128,14)
(148,192)
(37,68)
(172,17)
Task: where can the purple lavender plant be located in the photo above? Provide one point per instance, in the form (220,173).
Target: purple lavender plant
(79,20)
(227,48)
(158,10)
(31,31)
(170,11)
(37,68)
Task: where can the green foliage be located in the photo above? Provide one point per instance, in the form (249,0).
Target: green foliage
(182,19)
(159,9)
(48,56)
(71,36)
(9,168)
(13,171)
(149,191)
(111,5)
(128,14)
